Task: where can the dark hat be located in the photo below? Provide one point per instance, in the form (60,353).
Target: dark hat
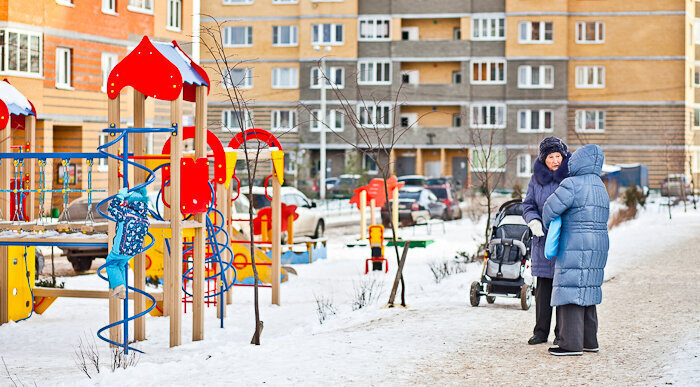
(550,145)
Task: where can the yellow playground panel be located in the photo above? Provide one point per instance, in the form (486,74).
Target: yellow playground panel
(19,270)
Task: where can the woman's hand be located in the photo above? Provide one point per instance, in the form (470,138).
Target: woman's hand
(536,227)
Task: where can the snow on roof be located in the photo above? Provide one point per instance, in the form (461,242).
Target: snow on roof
(610,168)
(16,102)
(175,55)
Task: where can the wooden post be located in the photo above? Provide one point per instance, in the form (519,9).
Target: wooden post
(200,147)
(175,224)
(30,164)
(113,117)
(419,161)
(276,248)
(392,162)
(372,212)
(395,209)
(139,177)
(443,161)
(290,230)
(363,216)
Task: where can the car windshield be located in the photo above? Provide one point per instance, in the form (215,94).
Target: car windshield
(441,193)
(412,181)
(411,195)
(436,181)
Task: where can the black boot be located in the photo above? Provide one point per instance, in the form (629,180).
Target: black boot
(537,339)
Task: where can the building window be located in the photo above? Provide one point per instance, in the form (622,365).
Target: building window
(109,6)
(410,77)
(456,77)
(696,118)
(697,78)
(488,116)
(488,71)
(283,120)
(65,2)
(456,33)
(20,52)
(327,34)
(378,116)
(231,120)
(237,2)
(374,73)
(140,6)
(285,78)
(457,120)
(102,163)
(109,60)
(524,165)
(174,15)
(241,78)
(590,120)
(369,165)
(488,28)
(535,77)
(535,32)
(408,119)
(241,36)
(285,1)
(284,36)
(491,160)
(590,32)
(409,33)
(335,75)
(333,123)
(63,67)
(590,77)
(534,121)
(375,29)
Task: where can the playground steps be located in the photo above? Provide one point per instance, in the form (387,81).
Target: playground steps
(412,242)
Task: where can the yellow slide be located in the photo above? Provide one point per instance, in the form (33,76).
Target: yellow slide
(243,265)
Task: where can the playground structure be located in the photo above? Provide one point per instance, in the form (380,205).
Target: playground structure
(376,244)
(194,241)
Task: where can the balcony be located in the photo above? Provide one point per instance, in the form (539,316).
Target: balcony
(435,50)
(433,92)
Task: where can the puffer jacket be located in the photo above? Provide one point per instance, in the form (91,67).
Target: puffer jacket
(131,215)
(583,204)
(542,184)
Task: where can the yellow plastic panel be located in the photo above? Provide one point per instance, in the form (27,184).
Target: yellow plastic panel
(19,297)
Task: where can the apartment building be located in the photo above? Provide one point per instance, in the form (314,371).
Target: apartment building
(59,53)
(616,73)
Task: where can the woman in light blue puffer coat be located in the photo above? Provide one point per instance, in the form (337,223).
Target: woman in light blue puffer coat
(583,204)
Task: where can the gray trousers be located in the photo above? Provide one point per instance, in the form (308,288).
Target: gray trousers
(578,327)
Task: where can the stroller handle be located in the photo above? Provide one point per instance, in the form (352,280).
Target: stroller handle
(509,242)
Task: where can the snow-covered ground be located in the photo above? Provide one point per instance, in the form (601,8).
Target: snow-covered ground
(372,345)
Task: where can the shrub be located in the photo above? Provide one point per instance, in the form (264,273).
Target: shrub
(366,292)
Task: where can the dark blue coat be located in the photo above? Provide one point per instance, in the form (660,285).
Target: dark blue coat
(542,184)
(583,204)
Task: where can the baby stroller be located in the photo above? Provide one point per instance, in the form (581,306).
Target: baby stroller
(506,271)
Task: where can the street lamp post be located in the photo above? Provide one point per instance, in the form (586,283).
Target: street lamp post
(322,122)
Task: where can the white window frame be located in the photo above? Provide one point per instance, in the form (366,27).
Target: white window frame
(102,138)
(276,123)
(293,36)
(524,161)
(141,6)
(413,77)
(64,69)
(489,63)
(173,5)
(488,27)
(331,73)
(293,81)
(366,159)
(108,61)
(373,23)
(477,111)
(499,159)
(5,66)
(411,120)
(331,117)
(333,34)
(248,120)
(457,119)
(228,35)
(237,2)
(413,33)
(580,121)
(525,120)
(284,2)
(372,110)
(598,75)
(696,118)
(526,27)
(581,28)
(373,65)
(525,77)
(109,7)
(67,3)
(247,78)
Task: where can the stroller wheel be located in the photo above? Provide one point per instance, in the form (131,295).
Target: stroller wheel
(525,297)
(490,299)
(474,293)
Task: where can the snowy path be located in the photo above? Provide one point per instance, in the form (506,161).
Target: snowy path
(649,326)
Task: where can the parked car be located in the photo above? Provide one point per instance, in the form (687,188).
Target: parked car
(445,194)
(343,188)
(310,222)
(456,185)
(331,183)
(412,180)
(676,185)
(81,257)
(416,205)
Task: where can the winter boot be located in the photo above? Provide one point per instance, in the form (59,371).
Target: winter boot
(537,339)
(118,292)
(557,351)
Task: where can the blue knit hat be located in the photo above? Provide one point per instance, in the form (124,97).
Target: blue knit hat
(550,145)
(139,195)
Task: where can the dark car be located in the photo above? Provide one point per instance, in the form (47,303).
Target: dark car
(445,194)
(456,186)
(342,187)
(416,205)
(412,180)
(81,257)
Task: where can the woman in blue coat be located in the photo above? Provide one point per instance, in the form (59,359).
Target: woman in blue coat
(583,204)
(550,168)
